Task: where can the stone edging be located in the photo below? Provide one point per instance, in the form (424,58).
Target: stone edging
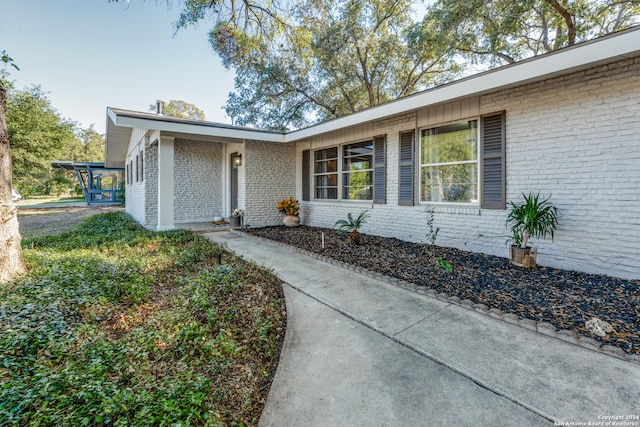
(540,327)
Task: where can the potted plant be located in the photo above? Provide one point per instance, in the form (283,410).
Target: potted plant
(290,208)
(236,217)
(535,217)
(352,226)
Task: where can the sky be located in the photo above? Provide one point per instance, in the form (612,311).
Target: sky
(88,55)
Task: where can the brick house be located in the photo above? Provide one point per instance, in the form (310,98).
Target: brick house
(566,124)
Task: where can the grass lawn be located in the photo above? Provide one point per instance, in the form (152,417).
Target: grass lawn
(118,325)
(48,200)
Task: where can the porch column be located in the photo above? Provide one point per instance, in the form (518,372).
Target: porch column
(165,183)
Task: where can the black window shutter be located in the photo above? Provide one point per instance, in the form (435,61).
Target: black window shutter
(379,169)
(406,168)
(493,162)
(306,181)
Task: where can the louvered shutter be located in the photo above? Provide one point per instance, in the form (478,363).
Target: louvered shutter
(379,169)
(406,168)
(493,162)
(306,178)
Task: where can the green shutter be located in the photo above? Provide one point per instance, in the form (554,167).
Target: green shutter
(379,169)
(493,162)
(306,178)
(406,169)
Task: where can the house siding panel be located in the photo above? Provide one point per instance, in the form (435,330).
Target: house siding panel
(135,194)
(573,137)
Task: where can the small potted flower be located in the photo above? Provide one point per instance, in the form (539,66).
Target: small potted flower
(236,217)
(290,208)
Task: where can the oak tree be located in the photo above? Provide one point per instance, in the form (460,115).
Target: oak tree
(11,261)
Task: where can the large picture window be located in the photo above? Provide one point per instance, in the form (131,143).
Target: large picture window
(449,163)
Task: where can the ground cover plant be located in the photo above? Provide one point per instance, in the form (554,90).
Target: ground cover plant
(566,299)
(118,325)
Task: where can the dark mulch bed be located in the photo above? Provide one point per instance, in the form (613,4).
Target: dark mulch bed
(566,299)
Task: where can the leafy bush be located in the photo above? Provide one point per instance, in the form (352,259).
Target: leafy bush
(117,325)
(351,226)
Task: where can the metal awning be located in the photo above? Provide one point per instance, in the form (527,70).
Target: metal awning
(91,176)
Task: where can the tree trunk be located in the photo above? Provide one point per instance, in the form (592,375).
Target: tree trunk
(11,261)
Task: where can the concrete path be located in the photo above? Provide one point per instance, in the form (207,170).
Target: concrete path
(362,352)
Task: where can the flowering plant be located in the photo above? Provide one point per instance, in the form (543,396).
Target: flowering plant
(237,212)
(289,206)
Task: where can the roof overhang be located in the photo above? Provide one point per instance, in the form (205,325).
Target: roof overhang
(120,124)
(95,167)
(604,50)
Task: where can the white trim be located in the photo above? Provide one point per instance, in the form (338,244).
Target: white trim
(134,119)
(607,49)
(564,61)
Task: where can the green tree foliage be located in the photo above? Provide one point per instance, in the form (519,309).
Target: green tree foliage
(93,145)
(315,60)
(496,32)
(39,136)
(309,61)
(180,109)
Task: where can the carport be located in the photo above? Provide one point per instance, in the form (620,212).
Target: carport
(99,184)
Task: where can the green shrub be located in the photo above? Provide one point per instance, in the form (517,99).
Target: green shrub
(118,325)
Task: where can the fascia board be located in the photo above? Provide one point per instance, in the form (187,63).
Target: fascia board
(205,130)
(588,54)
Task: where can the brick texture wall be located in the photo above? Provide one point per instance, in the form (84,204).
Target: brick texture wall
(573,137)
(269,175)
(151,186)
(198,180)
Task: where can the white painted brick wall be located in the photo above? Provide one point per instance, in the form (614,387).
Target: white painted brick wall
(198,180)
(269,175)
(135,190)
(574,137)
(151,186)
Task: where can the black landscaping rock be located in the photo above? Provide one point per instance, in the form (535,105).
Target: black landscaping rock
(564,299)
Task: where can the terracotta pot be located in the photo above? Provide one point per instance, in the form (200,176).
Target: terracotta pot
(291,220)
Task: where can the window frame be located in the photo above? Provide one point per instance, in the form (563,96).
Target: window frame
(478,162)
(341,173)
(327,173)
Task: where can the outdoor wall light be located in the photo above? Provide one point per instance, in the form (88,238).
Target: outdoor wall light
(238,160)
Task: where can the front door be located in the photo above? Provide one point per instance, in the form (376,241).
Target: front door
(233,182)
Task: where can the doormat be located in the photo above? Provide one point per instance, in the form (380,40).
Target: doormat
(219,222)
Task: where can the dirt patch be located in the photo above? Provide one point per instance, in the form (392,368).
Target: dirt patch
(36,222)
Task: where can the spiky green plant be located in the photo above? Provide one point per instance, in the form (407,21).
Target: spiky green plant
(534,218)
(351,226)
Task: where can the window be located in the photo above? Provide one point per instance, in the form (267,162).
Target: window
(357,167)
(325,173)
(349,172)
(449,163)
(141,166)
(137,168)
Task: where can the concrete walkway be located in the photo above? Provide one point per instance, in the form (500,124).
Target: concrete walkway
(362,352)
